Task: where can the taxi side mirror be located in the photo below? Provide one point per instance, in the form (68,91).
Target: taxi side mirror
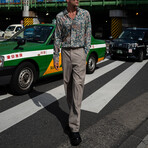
(19,43)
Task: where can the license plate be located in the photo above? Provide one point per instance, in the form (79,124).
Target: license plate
(130,50)
(119,52)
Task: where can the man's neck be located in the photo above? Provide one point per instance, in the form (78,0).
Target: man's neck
(71,9)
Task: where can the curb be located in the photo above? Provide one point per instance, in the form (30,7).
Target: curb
(139,138)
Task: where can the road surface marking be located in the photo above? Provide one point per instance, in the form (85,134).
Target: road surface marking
(2,97)
(99,99)
(20,112)
(101,71)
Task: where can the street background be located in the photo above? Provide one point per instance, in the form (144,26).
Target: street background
(114,107)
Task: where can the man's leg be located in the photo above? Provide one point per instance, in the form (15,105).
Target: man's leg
(78,58)
(74,68)
(67,74)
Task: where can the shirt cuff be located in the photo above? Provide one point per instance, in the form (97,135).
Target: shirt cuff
(86,50)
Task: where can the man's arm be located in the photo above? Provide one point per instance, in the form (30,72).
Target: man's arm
(57,43)
(88,33)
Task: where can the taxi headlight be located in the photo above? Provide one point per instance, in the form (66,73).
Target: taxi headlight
(1,61)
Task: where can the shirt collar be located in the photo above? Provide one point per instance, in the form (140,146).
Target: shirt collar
(66,12)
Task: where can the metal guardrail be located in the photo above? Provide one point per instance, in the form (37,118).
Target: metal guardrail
(55,3)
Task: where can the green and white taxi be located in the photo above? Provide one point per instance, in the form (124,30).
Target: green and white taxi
(28,56)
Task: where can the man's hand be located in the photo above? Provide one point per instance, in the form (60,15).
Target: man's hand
(56,65)
(56,61)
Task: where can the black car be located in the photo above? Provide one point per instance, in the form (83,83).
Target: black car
(132,43)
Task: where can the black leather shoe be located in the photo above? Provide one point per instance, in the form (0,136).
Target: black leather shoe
(75,138)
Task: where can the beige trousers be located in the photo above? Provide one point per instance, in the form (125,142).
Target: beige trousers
(74,69)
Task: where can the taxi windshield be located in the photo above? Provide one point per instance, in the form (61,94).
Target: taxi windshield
(132,34)
(38,34)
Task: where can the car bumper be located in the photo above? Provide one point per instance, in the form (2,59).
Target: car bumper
(6,74)
(124,54)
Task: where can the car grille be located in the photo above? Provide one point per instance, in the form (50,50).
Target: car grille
(118,45)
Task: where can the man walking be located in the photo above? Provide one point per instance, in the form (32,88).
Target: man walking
(73,34)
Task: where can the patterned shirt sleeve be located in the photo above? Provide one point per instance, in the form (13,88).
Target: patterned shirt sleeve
(57,40)
(88,34)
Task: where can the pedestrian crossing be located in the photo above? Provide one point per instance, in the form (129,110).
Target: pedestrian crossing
(93,103)
(99,99)
(2,97)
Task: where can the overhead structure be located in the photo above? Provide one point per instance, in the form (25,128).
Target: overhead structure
(115,15)
(55,3)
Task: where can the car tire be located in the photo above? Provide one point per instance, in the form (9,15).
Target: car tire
(91,64)
(140,56)
(23,79)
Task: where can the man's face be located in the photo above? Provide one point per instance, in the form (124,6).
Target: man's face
(73,2)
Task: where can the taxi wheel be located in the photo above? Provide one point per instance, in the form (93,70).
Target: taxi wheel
(91,64)
(23,79)
(140,56)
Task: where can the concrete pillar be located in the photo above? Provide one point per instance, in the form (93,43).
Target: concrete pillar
(116,22)
(29,16)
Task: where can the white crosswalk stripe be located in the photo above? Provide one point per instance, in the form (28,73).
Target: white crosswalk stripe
(2,97)
(102,71)
(20,112)
(99,99)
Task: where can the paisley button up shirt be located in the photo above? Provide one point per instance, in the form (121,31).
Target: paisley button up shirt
(73,33)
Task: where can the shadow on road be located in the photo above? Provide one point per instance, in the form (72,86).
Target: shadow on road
(51,104)
(3,90)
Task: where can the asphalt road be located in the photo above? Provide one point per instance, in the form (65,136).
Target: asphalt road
(113,109)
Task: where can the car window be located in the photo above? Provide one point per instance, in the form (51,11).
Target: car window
(132,34)
(18,29)
(34,33)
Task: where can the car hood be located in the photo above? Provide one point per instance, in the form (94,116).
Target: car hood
(7,47)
